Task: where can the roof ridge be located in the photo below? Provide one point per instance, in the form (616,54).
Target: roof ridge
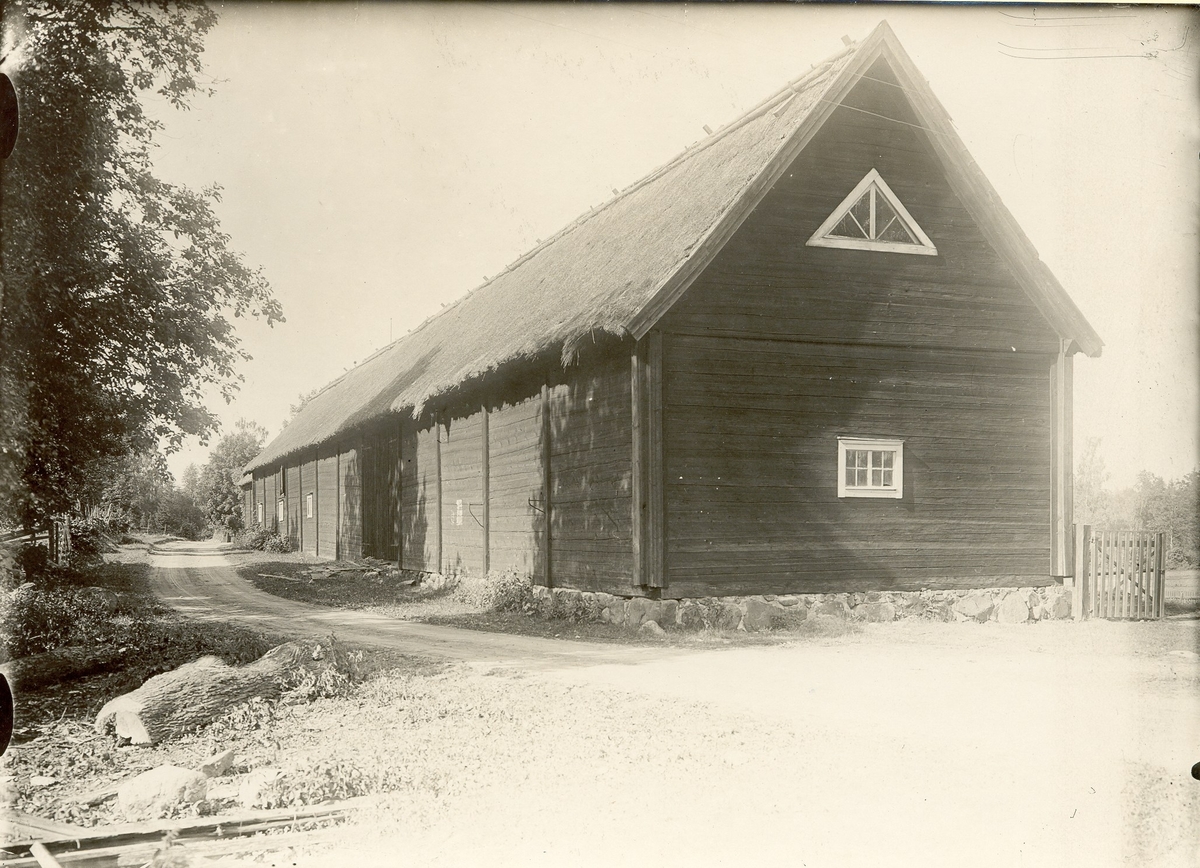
(750,114)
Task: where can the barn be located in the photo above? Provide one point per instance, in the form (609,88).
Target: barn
(813,353)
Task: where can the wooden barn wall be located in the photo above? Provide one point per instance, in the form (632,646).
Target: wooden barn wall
(327,501)
(292,489)
(271,499)
(419,501)
(766,282)
(350,518)
(751,429)
(381,445)
(308,486)
(462,494)
(515,485)
(590,478)
(260,496)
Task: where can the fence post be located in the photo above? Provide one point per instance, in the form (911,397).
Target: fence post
(1160,576)
(1087,584)
(1078,573)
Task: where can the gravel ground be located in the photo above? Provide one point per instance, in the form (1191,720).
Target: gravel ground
(903,744)
(910,743)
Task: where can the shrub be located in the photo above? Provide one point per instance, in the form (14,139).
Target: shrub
(498,591)
(263,540)
(42,619)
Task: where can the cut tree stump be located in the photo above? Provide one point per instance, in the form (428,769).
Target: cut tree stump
(198,692)
(61,664)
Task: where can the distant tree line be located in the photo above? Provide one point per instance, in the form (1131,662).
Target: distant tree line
(136,492)
(1151,503)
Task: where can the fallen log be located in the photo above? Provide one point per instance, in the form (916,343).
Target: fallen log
(277,576)
(198,692)
(61,664)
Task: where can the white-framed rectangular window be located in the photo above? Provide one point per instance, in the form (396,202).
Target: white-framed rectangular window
(870,467)
(280,510)
(308,505)
(260,512)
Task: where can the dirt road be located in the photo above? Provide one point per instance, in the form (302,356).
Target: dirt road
(1053,744)
(198,580)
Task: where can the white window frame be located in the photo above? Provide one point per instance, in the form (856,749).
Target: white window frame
(308,505)
(260,512)
(281,510)
(821,238)
(847,444)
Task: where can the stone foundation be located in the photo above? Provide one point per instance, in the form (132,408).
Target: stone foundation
(769,611)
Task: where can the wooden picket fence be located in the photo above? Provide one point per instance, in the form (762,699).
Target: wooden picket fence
(1119,574)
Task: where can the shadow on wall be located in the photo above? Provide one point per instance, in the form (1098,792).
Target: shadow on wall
(591,524)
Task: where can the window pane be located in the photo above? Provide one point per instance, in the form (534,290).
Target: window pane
(850,476)
(857,220)
(887,458)
(876,477)
(888,226)
(860,478)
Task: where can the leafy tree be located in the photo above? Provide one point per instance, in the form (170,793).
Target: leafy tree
(301,403)
(1090,477)
(190,483)
(119,289)
(220,494)
(1172,506)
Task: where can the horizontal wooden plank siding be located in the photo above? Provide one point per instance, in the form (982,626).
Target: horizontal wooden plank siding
(767,282)
(751,430)
(350,499)
(327,500)
(515,483)
(418,496)
(462,494)
(591,523)
(308,487)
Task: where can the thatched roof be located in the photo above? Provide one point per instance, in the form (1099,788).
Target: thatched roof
(602,274)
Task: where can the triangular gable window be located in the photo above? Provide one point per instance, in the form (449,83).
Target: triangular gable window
(872,218)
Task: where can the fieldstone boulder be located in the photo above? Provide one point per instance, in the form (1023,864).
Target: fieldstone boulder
(876,612)
(217,764)
(651,628)
(152,794)
(670,612)
(1058,609)
(834,607)
(787,600)
(761,615)
(728,616)
(1013,609)
(976,607)
(690,615)
(258,787)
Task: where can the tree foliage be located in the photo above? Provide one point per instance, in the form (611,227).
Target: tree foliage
(219,492)
(119,289)
(1151,504)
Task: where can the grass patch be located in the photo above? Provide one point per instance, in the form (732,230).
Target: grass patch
(291,580)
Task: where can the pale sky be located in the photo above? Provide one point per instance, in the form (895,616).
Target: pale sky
(378,161)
